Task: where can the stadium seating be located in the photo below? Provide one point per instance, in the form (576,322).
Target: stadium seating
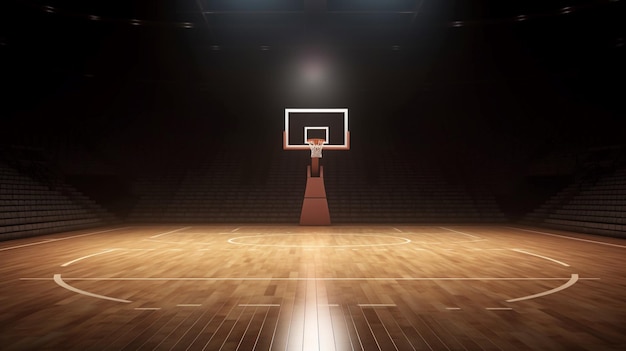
(594,205)
(30,207)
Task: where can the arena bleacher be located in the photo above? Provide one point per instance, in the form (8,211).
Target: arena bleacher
(224,188)
(594,202)
(34,201)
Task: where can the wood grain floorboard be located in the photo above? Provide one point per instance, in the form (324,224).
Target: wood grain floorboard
(261,287)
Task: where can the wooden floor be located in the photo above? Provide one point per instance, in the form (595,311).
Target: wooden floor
(313,288)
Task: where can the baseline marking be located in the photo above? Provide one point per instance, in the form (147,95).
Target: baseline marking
(59,239)
(84,257)
(540,256)
(569,283)
(570,238)
(61,283)
(458,232)
(310,279)
(170,232)
(403,241)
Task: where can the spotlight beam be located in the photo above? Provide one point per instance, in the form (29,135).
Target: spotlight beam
(417,10)
(204,17)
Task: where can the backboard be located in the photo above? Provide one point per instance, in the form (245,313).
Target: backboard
(330,124)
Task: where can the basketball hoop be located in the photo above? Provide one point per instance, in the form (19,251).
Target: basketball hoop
(316,146)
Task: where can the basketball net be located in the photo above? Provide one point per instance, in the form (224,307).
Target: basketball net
(316,146)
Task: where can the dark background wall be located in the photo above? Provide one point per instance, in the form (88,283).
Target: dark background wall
(487,99)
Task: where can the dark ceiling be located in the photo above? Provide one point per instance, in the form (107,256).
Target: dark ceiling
(518,69)
(390,24)
(438,40)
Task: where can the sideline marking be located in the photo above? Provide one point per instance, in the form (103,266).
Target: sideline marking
(453,308)
(84,257)
(60,282)
(59,239)
(189,305)
(376,305)
(569,283)
(234,230)
(544,257)
(309,279)
(570,238)
(170,232)
(456,231)
(147,308)
(397,230)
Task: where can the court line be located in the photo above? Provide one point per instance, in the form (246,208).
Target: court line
(458,232)
(206,325)
(540,256)
(59,239)
(172,242)
(280,312)
(243,335)
(259,305)
(170,232)
(84,257)
(258,336)
(356,330)
(369,326)
(309,279)
(218,331)
(376,305)
(345,325)
(574,278)
(570,238)
(234,241)
(61,283)
(498,308)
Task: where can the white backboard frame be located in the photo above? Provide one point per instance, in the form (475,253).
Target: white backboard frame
(304,145)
